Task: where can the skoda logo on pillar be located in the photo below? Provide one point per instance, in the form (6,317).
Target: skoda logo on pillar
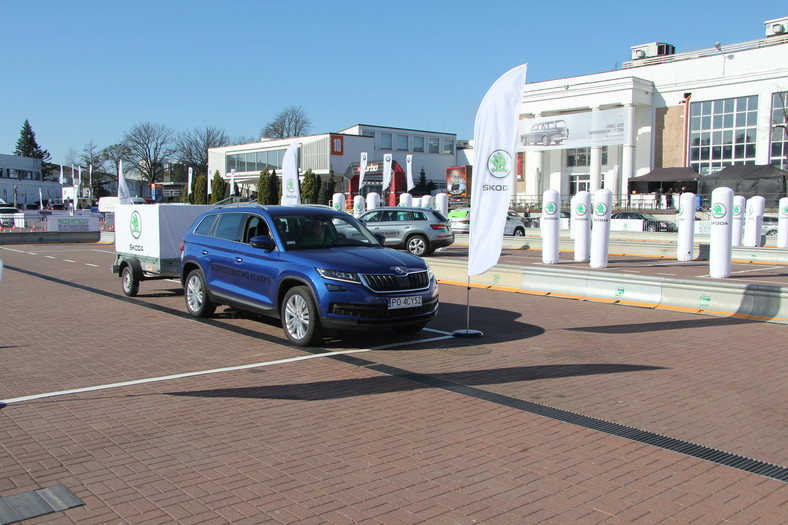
(737,211)
(718,211)
(784,211)
(581,210)
(550,208)
(600,208)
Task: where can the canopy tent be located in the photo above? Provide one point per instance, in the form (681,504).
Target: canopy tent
(749,180)
(665,180)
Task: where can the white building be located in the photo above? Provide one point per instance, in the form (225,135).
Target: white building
(336,153)
(704,110)
(21,179)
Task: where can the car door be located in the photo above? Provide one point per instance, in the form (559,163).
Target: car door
(255,270)
(217,252)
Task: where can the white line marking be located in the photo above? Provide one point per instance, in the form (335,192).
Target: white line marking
(50,257)
(760,269)
(31,253)
(659,273)
(93,265)
(68,260)
(12,250)
(214,371)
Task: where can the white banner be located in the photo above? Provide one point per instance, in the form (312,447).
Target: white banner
(124,196)
(61,175)
(386,172)
(362,169)
(232,182)
(291,194)
(495,137)
(409,164)
(208,176)
(576,130)
(189,182)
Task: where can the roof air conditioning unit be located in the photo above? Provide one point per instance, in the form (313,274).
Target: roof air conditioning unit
(776,27)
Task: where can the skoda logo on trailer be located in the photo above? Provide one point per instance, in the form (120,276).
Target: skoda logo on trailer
(550,208)
(600,209)
(581,209)
(499,164)
(719,210)
(135,225)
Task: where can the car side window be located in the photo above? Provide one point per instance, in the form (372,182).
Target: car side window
(419,216)
(204,228)
(229,226)
(255,226)
(375,216)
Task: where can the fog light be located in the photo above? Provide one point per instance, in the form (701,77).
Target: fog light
(335,288)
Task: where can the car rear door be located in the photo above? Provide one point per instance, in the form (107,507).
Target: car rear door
(217,252)
(254,270)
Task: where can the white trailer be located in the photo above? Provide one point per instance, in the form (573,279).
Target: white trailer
(148,241)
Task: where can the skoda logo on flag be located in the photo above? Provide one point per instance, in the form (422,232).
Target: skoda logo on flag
(736,210)
(290,186)
(600,208)
(135,225)
(499,164)
(718,211)
(550,208)
(581,209)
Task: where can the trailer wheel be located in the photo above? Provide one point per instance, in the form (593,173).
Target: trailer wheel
(129,281)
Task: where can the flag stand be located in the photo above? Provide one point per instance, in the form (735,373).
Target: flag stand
(467,332)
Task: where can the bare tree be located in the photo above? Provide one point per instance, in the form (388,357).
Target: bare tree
(193,146)
(91,156)
(292,122)
(114,154)
(148,146)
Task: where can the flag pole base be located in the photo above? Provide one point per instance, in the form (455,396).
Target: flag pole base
(467,333)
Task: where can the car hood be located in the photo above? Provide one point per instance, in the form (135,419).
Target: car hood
(360,260)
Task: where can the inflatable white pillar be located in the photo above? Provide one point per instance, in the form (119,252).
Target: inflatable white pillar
(782,224)
(600,232)
(358,206)
(416,202)
(338,201)
(572,216)
(581,219)
(442,203)
(426,201)
(754,221)
(686,227)
(551,227)
(721,224)
(373,201)
(406,199)
(737,226)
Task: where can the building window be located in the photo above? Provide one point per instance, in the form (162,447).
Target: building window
(385,141)
(367,133)
(433,145)
(722,133)
(418,144)
(402,143)
(779,136)
(579,157)
(448,147)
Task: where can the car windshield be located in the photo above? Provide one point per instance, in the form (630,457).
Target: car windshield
(309,232)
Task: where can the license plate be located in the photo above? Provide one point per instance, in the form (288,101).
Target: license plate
(404,302)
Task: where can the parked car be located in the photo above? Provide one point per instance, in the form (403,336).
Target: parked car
(546,133)
(6,216)
(535,222)
(315,268)
(461,222)
(769,226)
(650,224)
(420,231)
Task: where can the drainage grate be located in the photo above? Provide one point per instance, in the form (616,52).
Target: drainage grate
(36,503)
(687,448)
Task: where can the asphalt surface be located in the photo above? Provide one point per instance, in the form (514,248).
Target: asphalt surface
(564,411)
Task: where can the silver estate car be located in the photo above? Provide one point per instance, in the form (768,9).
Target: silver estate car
(461,222)
(420,231)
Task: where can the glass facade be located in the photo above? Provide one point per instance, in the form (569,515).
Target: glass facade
(778,153)
(255,161)
(722,133)
(579,157)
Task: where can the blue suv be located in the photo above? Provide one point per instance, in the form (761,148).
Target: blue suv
(315,268)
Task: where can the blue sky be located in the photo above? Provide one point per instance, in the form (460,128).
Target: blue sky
(85,70)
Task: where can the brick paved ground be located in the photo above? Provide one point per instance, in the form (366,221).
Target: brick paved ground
(323,441)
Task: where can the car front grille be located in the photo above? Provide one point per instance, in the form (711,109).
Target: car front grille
(380,312)
(398,283)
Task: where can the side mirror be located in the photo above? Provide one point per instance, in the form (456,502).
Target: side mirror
(380,237)
(263,242)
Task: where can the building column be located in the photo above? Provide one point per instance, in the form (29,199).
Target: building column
(595,164)
(628,153)
(534,174)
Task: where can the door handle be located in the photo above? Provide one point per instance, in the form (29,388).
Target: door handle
(238,260)
(205,252)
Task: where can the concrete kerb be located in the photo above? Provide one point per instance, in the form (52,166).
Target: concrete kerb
(760,302)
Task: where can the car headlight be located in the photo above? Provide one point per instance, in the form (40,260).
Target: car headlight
(338,275)
(430,274)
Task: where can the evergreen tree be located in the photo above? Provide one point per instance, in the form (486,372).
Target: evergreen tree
(309,188)
(27,146)
(217,188)
(274,189)
(200,192)
(264,188)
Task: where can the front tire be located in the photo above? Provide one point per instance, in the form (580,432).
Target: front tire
(129,282)
(300,319)
(417,245)
(519,232)
(197,302)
